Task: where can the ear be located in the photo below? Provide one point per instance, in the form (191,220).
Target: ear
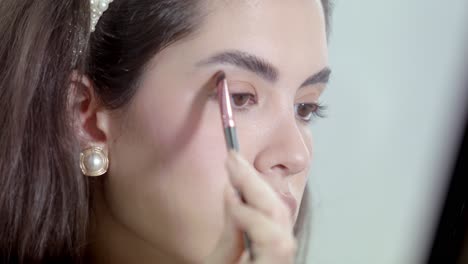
(91,121)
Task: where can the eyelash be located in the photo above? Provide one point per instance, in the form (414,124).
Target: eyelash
(252,101)
(243,108)
(319,110)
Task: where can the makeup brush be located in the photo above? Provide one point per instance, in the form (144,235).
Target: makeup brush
(230,134)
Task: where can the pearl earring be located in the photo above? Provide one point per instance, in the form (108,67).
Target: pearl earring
(93,161)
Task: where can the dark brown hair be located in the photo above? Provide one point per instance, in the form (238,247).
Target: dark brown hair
(44,198)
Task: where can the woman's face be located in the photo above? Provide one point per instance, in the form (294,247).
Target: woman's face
(163,191)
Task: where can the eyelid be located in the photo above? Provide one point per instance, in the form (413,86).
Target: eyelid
(307,98)
(237,87)
(241,87)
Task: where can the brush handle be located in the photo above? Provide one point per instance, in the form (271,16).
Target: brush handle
(231,138)
(233,143)
(247,240)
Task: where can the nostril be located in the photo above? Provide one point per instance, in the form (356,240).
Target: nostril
(281,169)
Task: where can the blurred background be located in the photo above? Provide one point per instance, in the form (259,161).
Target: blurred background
(395,105)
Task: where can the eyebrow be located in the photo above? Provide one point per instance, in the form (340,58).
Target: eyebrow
(260,66)
(245,61)
(322,76)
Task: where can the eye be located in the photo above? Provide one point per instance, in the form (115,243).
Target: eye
(241,100)
(306,111)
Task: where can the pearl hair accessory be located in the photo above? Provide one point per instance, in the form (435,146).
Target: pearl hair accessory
(98,7)
(93,162)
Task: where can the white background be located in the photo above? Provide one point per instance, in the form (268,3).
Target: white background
(394,102)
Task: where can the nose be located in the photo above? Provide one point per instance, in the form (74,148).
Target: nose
(286,149)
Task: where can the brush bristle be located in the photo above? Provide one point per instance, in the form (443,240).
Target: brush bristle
(220,76)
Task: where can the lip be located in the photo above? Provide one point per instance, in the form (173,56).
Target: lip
(290,201)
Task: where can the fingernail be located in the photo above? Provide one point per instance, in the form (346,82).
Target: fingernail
(228,194)
(232,197)
(232,154)
(231,161)
(233,176)
(231,192)
(238,158)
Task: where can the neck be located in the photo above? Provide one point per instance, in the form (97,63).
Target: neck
(112,242)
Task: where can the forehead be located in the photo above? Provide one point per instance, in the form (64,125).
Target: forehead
(288,32)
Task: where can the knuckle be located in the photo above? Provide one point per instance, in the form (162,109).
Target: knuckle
(274,212)
(286,247)
(280,214)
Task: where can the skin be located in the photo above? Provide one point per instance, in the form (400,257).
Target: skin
(168,194)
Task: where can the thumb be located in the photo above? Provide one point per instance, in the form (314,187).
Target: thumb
(230,244)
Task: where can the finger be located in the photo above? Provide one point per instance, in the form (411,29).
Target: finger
(230,245)
(271,241)
(245,258)
(256,191)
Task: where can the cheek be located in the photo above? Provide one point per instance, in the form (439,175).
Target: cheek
(182,127)
(166,119)
(308,139)
(188,139)
(301,182)
(173,173)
